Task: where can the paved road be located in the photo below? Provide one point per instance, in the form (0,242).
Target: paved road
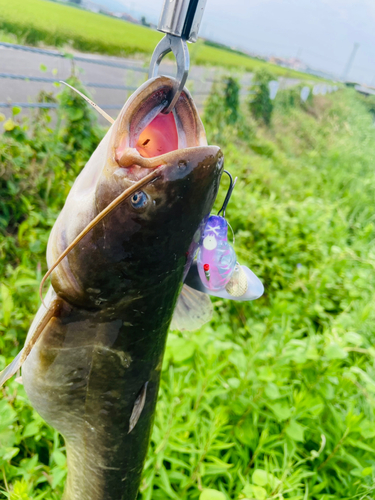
(29,64)
(19,62)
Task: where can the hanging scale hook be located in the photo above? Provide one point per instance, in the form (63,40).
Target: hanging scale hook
(180,21)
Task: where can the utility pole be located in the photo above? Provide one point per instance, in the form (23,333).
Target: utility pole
(350,62)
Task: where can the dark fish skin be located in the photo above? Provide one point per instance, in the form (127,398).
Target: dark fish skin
(117,291)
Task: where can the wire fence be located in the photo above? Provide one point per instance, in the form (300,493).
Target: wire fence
(54,80)
(199,82)
(47,105)
(66,55)
(91,61)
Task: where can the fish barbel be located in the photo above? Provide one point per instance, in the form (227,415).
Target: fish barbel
(92,358)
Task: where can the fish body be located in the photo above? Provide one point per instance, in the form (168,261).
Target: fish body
(93,370)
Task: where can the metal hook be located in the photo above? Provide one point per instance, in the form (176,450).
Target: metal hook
(229,193)
(178,46)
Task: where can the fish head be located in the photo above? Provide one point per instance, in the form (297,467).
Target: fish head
(146,240)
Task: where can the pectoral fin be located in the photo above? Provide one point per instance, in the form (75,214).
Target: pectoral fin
(41,320)
(138,407)
(193,309)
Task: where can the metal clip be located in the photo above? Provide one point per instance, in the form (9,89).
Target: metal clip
(178,46)
(180,21)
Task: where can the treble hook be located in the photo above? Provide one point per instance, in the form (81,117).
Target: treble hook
(229,193)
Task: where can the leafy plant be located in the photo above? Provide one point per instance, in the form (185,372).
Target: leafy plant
(80,133)
(260,103)
(232,99)
(274,399)
(223,117)
(291,97)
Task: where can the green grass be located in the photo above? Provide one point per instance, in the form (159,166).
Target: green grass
(274,399)
(61,25)
(7,37)
(54,24)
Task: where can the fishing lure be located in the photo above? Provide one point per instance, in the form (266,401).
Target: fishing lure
(217,264)
(216,258)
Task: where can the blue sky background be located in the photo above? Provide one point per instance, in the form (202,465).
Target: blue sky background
(320,32)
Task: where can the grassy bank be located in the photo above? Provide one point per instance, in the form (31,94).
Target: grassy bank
(57,25)
(273,399)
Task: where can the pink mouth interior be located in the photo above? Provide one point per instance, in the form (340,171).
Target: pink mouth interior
(159,137)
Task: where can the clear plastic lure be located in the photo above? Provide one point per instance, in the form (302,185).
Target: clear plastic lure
(216,258)
(216,267)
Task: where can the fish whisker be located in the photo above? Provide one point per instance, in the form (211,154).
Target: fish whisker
(92,103)
(123,196)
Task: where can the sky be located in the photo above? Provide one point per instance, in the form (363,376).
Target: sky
(321,33)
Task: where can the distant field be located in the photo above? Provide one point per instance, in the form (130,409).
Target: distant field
(36,22)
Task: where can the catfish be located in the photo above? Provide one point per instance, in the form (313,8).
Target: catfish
(92,359)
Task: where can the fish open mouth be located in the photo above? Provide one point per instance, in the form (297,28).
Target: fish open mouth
(159,137)
(144,133)
(140,140)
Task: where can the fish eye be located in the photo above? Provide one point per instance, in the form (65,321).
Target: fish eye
(139,199)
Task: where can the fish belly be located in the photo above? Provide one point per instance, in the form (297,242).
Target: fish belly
(83,377)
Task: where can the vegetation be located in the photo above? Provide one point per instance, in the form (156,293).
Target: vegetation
(232,100)
(274,399)
(54,24)
(260,104)
(291,97)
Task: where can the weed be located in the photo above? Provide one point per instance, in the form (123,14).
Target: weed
(260,103)
(274,399)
